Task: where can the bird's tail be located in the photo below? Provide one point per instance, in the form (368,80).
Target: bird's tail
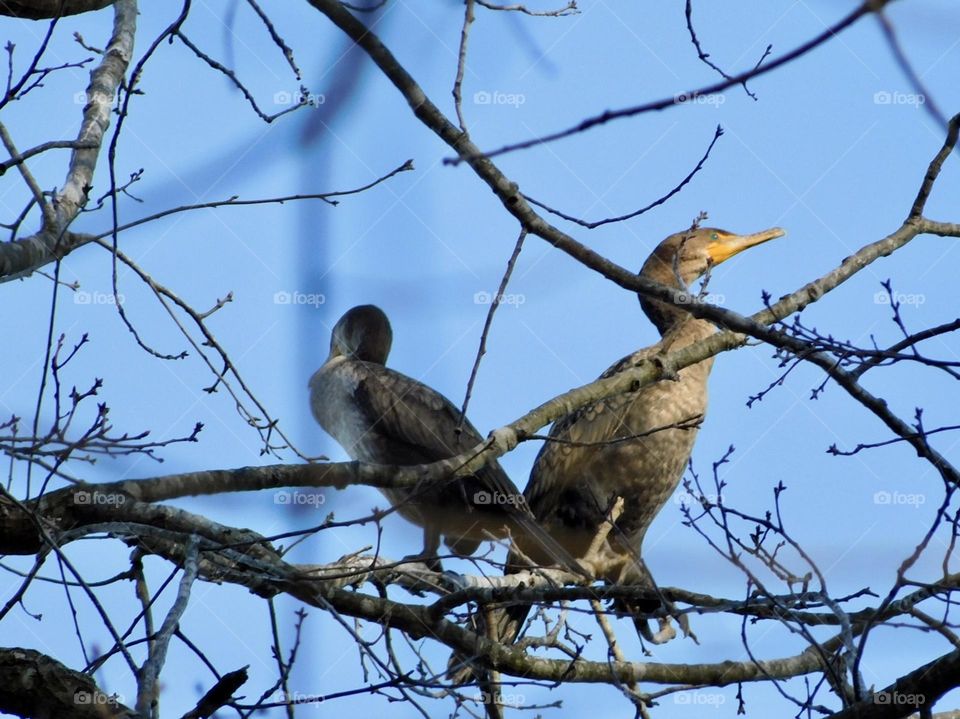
(499,623)
(639,610)
(502,623)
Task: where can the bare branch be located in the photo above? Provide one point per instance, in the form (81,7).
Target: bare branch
(569,9)
(488,323)
(148,691)
(53,241)
(33,684)
(718,133)
(705,57)
(610,115)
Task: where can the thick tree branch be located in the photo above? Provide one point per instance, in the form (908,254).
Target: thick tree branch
(35,685)
(920,689)
(239,557)
(54,240)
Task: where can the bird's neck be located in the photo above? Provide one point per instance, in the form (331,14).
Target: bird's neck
(664,315)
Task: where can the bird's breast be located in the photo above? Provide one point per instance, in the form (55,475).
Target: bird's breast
(333,389)
(628,446)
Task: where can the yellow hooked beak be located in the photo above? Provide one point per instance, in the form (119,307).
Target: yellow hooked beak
(723,246)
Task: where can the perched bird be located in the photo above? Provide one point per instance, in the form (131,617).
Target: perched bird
(633,445)
(381,416)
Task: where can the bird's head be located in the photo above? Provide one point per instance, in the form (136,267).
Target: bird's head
(363,333)
(690,254)
(683,257)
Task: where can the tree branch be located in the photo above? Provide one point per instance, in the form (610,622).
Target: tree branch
(35,685)
(54,240)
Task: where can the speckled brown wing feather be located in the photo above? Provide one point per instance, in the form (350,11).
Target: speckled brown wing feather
(595,422)
(617,447)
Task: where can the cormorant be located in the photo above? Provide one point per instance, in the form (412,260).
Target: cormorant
(382,416)
(634,445)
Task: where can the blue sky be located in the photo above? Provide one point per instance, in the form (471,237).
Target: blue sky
(833,150)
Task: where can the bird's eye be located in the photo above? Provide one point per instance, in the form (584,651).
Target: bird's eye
(713,236)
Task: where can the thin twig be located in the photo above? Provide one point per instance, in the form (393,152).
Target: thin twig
(494,304)
(468,18)
(718,133)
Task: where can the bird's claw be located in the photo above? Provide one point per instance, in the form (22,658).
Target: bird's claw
(664,634)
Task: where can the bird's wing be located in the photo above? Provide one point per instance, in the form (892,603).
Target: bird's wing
(595,422)
(422,420)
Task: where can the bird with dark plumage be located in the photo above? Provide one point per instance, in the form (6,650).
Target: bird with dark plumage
(634,445)
(379,415)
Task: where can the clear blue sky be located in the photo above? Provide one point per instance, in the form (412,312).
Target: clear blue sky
(821,153)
